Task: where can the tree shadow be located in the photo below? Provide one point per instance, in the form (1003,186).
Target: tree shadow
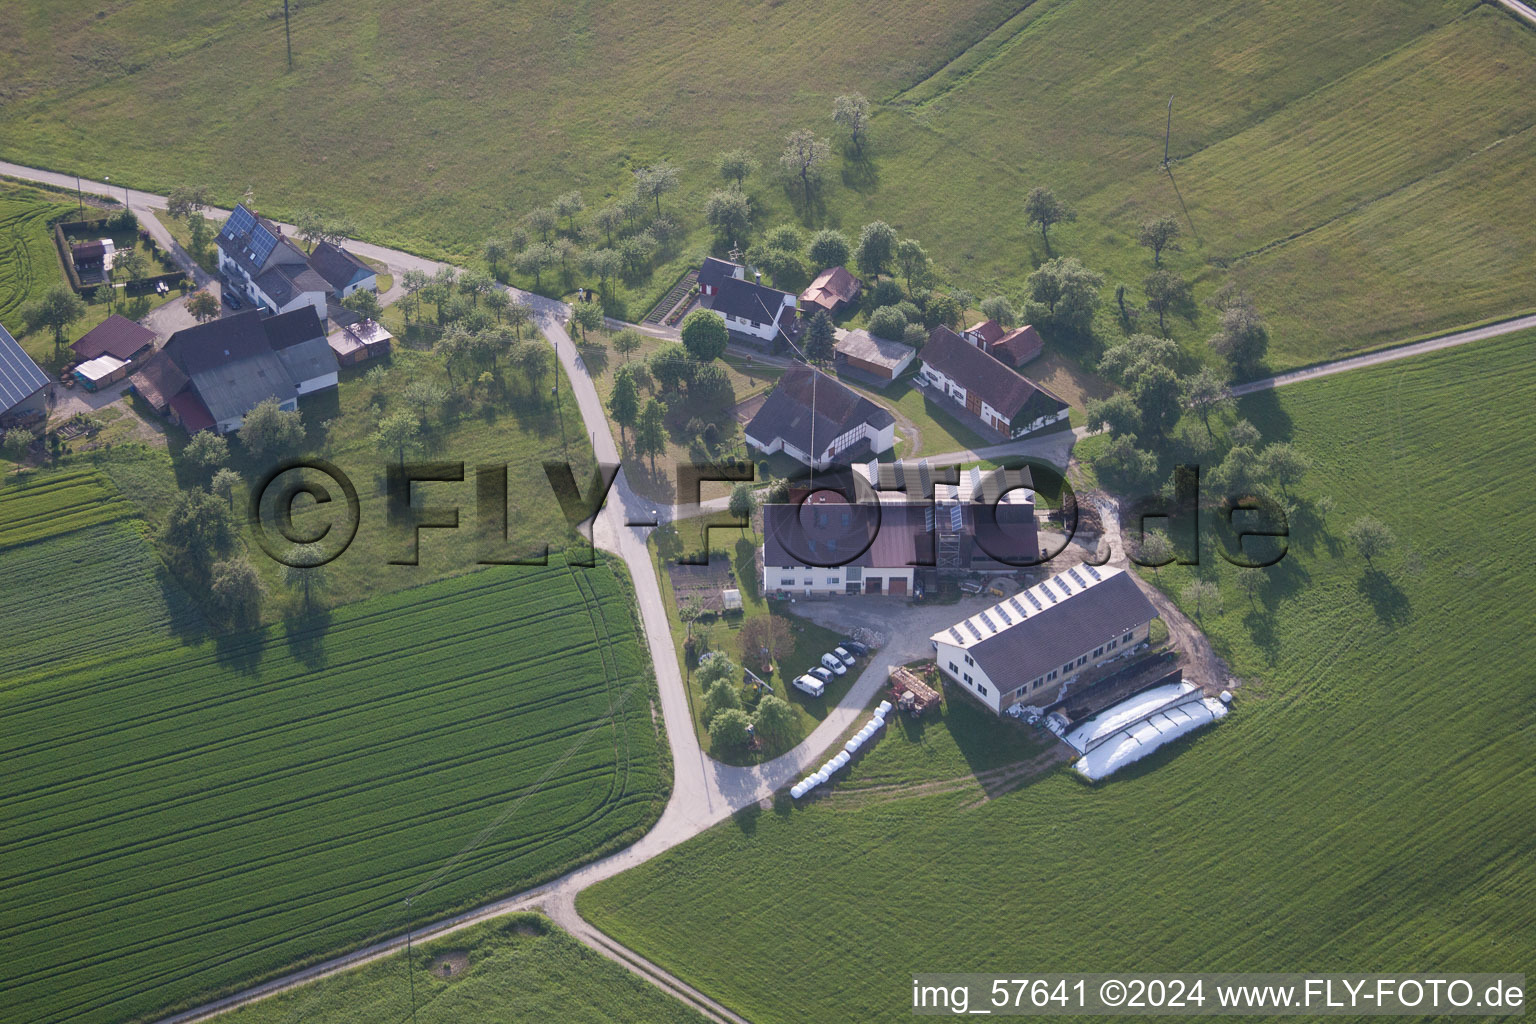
(594,357)
(746,819)
(1264,410)
(1387,599)
(859,172)
(240,651)
(1182,206)
(810,211)
(305,631)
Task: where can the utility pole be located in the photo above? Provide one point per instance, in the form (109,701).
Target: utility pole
(79,197)
(288,35)
(1167,133)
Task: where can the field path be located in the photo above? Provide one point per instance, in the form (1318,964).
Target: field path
(704,791)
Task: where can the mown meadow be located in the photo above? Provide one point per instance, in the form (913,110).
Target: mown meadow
(1368,806)
(185,812)
(1358,169)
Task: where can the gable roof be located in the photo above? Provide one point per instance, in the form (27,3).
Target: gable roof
(115,336)
(337,266)
(20,377)
(1000,386)
(249,239)
(299,341)
(293,327)
(194,415)
(832,286)
(284,281)
(860,344)
(1044,626)
(231,364)
(787,413)
(749,301)
(712,271)
(1018,346)
(988,331)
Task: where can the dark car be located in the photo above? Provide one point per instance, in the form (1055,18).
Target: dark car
(231,300)
(853,645)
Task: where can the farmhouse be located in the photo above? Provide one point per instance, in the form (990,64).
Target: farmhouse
(879,358)
(833,291)
(753,309)
(985,523)
(256,259)
(813,419)
(116,336)
(344,272)
(23,384)
(1038,640)
(1015,347)
(211,375)
(712,272)
(998,396)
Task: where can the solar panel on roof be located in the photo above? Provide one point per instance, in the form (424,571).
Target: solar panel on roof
(972,627)
(956,634)
(956,518)
(1018,607)
(988,620)
(1076,578)
(1034,601)
(1093,572)
(240,222)
(1004,613)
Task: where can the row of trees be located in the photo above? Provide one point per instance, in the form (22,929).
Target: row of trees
(729,724)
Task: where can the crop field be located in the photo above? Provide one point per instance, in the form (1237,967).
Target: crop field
(29,261)
(1358,168)
(1368,806)
(205,815)
(34,506)
(515,968)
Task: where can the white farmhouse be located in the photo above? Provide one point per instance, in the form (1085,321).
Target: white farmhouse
(753,309)
(997,395)
(1024,649)
(265,267)
(813,419)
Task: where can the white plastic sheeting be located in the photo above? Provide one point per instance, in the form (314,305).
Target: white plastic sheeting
(1130,730)
(842,757)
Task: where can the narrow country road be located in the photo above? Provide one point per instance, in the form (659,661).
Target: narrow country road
(704,791)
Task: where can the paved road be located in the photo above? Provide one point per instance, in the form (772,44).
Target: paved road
(1521,9)
(704,792)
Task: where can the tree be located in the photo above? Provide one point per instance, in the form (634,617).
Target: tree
(656,181)
(496,303)
(1371,537)
(495,251)
(743,503)
(887,322)
(624,402)
(397,432)
(999,309)
(717,668)
(912,258)
(412,281)
(1156,550)
(720,696)
(1160,235)
(270,429)
(130,265)
(203,306)
(1203,593)
(308,575)
(542,219)
(820,338)
(536,259)
(59,308)
(588,316)
(609,219)
(877,247)
(942,310)
(828,248)
(803,157)
(1237,472)
(851,114)
(310,226)
(225,483)
(627,341)
(1124,463)
(14,443)
(774,721)
(1252,581)
(236,591)
(202,234)
(651,432)
(1166,291)
(1241,339)
(1118,413)
(1243,435)
(1043,209)
(604,264)
(672,366)
(568,206)
(1068,290)
(1159,396)
(185,201)
(704,335)
(711,392)
(1284,464)
(206,450)
(728,211)
(736,166)
(689,614)
(730,728)
(765,640)
(197,529)
(364,303)
(1207,392)
(533,358)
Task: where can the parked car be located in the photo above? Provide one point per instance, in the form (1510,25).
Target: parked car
(842,652)
(824,674)
(832,662)
(810,685)
(231,300)
(857,648)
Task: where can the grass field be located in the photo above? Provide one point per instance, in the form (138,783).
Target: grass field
(1359,169)
(200,816)
(1368,806)
(520,967)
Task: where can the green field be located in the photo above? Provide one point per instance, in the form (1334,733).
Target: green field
(197,817)
(1360,169)
(29,261)
(1368,806)
(35,507)
(519,967)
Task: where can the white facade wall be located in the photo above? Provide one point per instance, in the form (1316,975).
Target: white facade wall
(824,582)
(1042,688)
(962,668)
(327,380)
(989,415)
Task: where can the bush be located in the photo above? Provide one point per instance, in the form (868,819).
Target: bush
(887,322)
(885,292)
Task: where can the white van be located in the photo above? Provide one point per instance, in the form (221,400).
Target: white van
(811,685)
(832,662)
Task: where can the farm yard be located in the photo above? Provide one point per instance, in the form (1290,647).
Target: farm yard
(1365,806)
(1345,220)
(519,967)
(207,814)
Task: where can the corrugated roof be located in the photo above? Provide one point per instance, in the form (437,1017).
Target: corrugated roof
(865,347)
(20,377)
